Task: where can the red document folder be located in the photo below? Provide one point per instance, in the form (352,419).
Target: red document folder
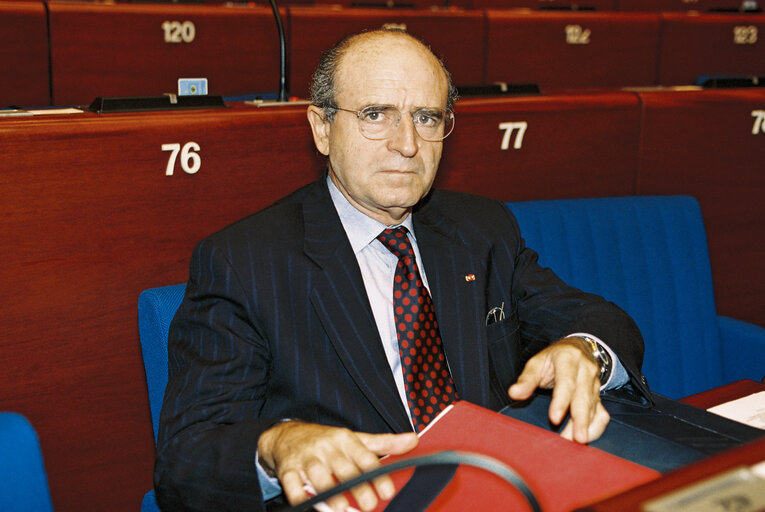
(562,474)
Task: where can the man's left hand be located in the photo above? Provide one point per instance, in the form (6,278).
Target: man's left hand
(568,368)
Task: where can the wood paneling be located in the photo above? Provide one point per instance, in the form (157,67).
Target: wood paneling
(24,74)
(562,50)
(694,45)
(678,5)
(120,50)
(463,54)
(590,5)
(703,143)
(575,145)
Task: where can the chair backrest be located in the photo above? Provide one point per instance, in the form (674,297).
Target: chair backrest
(23,482)
(649,256)
(156,309)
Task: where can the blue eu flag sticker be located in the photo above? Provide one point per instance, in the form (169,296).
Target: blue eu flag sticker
(192,86)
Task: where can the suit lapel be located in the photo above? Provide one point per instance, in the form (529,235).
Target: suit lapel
(340,301)
(457,280)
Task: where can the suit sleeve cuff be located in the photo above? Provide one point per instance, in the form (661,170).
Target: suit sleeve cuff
(619,376)
(269,486)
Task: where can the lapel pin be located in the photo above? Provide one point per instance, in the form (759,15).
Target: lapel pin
(470,277)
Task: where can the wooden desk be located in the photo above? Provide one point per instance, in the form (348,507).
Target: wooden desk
(142,49)
(561,50)
(597,5)
(678,5)
(723,394)
(543,147)
(24,76)
(94,213)
(710,44)
(463,54)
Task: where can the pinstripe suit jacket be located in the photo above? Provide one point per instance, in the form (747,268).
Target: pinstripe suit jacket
(276,324)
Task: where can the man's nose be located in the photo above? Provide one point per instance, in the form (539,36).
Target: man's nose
(404,138)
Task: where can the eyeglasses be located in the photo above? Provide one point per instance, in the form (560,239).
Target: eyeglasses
(378,122)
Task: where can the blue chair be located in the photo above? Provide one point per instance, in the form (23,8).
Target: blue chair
(23,482)
(156,308)
(649,255)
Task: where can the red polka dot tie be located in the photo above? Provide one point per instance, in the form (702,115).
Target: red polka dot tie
(429,386)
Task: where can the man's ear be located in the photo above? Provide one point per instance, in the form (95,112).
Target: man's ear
(320,126)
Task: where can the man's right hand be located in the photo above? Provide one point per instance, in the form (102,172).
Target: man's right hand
(324,456)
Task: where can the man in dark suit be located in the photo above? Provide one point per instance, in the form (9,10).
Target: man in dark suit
(288,362)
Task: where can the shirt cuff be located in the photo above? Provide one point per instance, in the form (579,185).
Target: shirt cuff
(619,376)
(269,485)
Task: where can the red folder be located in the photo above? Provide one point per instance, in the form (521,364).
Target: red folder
(562,474)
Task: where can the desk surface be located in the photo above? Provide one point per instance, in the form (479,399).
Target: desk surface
(722,394)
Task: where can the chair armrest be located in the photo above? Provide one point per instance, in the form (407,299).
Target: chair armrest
(23,480)
(743,349)
(149,503)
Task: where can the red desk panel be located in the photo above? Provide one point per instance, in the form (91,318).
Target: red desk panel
(724,394)
(90,219)
(138,50)
(462,54)
(710,44)
(572,49)
(24,77)
(398,4)
(543,147)
(678,5)
(711,145)
(597,5)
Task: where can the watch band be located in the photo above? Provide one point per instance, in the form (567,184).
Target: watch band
(601,356)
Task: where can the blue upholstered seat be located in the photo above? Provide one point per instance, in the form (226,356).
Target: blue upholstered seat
(156,308)
(649,255)
(23,481)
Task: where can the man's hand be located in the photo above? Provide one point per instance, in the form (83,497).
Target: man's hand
(326,455)
(567,367)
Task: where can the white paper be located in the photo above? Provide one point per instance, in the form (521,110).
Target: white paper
(55,111)
(749,410)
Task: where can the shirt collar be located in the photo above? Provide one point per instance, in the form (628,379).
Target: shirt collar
(359,227)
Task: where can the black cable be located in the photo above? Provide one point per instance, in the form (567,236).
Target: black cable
(282,53)
(441,458)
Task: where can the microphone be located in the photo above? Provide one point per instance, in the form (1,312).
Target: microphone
(282,53)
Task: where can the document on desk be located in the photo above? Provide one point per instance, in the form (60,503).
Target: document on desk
(749,410)
(558,472)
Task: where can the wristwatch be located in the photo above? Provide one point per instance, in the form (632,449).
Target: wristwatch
(601,356)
